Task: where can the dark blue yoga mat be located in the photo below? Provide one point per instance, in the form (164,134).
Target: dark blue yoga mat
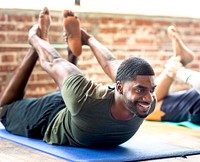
(135,149)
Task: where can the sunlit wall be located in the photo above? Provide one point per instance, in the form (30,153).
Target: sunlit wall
(182,8)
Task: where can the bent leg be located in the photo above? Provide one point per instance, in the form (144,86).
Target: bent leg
(186,55)
(51,61)
(15,88)
(174,70)
(166,78)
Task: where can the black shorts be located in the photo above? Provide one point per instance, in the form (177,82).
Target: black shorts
(30,117)
(182,106)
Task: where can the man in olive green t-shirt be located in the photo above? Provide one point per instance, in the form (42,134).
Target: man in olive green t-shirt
(92,114)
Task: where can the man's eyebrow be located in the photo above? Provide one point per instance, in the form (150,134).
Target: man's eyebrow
(140,86)
(154,86)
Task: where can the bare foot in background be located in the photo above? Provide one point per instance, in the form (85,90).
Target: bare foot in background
(179,48)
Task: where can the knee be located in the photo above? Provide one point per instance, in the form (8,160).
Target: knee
(50,63)
(196,85)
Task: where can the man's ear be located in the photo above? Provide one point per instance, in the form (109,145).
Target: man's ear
(119,87)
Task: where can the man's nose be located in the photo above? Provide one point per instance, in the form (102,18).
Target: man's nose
(148,97)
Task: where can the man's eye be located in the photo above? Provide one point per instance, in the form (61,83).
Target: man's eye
(140,90)
(152,90)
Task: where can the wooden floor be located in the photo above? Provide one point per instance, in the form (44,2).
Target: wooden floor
(176,135)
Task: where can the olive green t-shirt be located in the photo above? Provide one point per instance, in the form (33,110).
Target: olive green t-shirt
(87,120)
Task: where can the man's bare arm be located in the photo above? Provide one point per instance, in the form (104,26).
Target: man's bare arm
(105,58)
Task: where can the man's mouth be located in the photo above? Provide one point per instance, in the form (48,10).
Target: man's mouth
(144,107)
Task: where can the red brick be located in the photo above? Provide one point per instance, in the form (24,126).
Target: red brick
(119,21)
(105,20)
(143,22)
(120,40)
(7,68)
(17,38)
(7,27)
(2,17)
(19,18)
(2,38)
(3,78)
(108,30)
(7,58)
(144,41)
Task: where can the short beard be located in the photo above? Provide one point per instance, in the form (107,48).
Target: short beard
(141,116)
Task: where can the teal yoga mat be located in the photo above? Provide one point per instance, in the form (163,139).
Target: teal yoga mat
(132,150)
(185,124)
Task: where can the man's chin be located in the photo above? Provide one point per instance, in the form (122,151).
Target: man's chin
(142,116)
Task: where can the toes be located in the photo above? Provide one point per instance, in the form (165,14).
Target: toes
(67,13)
(171,31)
(45,11)
(171,28)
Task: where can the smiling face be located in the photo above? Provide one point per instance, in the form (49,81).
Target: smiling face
(138,95)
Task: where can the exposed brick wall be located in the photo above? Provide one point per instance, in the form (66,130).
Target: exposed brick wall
(124,35)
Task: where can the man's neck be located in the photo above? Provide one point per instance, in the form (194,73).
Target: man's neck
(118,110)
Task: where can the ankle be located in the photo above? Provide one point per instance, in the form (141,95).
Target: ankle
(170,74)
(30,39)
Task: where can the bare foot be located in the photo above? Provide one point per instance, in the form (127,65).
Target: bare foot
(72,32)
(44,23)
(179,48)
(84,40)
